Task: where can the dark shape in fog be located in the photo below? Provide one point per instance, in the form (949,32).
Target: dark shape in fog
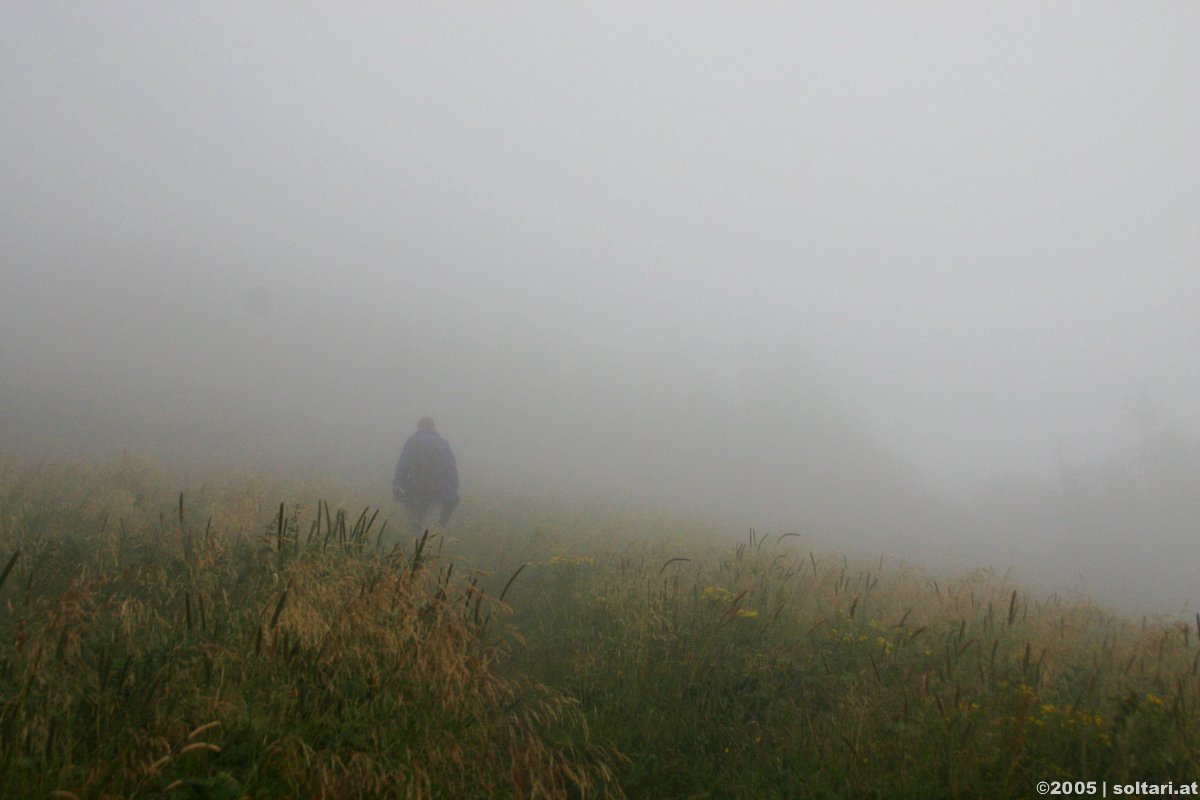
(426,479)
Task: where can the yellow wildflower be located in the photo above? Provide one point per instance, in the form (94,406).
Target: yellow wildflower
(570,561)
(718,595)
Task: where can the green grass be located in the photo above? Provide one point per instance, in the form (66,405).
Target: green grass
(217,643)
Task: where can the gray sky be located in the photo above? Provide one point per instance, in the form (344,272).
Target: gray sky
(965,233)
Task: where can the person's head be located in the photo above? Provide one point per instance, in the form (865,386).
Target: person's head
(426,424)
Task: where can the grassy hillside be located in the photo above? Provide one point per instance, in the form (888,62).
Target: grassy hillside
(247,639)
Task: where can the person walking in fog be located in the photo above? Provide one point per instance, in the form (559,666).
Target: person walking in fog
(426,479)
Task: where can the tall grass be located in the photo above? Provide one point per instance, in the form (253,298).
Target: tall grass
(765,670)
(222,643)
(147,653)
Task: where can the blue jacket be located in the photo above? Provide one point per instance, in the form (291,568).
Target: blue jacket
(427,470)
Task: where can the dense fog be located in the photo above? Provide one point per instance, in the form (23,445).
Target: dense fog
(922,280)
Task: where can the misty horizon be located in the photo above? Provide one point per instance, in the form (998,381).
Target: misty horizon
(921,280)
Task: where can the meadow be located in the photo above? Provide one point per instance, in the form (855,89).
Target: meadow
(256,637)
